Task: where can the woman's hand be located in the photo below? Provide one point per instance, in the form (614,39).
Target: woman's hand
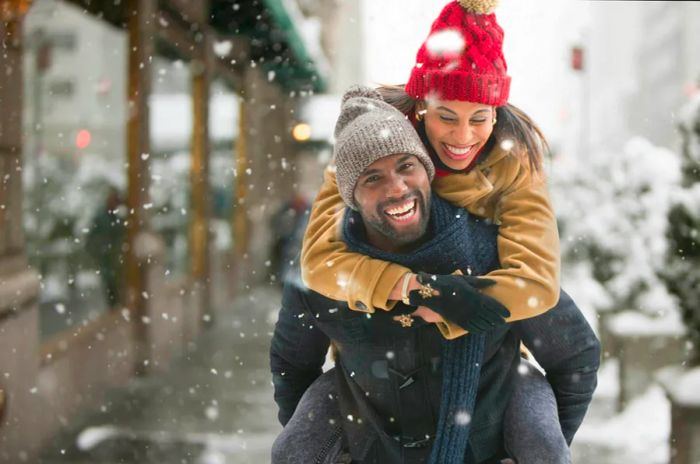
(427,314)
(412,285)
(458,299)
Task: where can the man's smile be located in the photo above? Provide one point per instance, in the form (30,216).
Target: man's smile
(403,212)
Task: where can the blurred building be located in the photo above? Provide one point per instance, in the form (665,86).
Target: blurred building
(74,80)
(82,82)
(668,64)
(339,27)
(641,65)
(338,24)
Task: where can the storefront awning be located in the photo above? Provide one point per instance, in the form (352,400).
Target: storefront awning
(283,41)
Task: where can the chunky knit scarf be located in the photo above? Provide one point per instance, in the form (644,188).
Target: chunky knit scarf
(457,240)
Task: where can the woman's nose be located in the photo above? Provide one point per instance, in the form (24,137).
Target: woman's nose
(463,133)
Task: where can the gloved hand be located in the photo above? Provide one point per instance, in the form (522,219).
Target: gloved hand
(460,301)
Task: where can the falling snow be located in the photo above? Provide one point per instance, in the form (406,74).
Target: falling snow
(463,418)
(445,42)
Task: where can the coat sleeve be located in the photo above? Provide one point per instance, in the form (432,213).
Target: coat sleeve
(527,283)
(564,344)
(329,268)
(297,352)
(528,248)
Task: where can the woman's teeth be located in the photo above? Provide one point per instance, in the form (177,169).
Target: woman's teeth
(458,151)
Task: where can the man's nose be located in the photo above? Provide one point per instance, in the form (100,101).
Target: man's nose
(396,186)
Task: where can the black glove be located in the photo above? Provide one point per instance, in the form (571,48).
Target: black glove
(461,302)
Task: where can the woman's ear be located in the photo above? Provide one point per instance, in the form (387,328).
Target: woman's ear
(420,110)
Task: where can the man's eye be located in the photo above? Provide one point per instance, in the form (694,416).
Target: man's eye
(406,166)
(371,179)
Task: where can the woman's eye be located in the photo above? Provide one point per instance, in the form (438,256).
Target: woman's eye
(478,121)
(447,119)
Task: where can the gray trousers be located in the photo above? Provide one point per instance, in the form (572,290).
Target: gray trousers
(531,430)
(313,434)
(531,435)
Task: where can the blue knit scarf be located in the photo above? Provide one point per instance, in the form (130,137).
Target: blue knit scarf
(457,240)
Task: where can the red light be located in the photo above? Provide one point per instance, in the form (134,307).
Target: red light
(577,58)
(82,140)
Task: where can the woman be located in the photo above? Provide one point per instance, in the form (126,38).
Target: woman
(488,156)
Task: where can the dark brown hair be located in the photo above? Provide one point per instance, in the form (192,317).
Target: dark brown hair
(513,124)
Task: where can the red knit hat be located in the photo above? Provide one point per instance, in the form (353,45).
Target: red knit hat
(462,58)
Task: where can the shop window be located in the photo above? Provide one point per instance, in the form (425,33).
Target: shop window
(61,88)
(171,136)
(74,166)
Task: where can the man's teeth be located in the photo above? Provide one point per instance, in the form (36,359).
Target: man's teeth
(399,210)
(459,151)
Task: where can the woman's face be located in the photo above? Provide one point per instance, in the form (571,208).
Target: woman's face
(457,129)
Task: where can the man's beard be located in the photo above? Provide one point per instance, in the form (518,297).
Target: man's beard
(403,238)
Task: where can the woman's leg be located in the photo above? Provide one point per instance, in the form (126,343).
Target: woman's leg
(313,434)
(532,433)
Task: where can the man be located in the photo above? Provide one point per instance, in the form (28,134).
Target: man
(400,392)
(104,244)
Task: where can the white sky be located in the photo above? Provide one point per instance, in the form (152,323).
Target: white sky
(538,38)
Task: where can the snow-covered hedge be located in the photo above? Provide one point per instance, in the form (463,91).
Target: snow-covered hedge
(682,273)
(613,210)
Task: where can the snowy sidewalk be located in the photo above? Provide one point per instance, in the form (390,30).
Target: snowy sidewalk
(639,434)
(214,405)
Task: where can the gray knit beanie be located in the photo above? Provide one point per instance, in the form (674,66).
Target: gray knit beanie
(369,129)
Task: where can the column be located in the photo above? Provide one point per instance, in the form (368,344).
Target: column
(200,198)
(141,30)
(21,429)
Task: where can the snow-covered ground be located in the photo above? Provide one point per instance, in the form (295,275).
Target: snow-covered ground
(639,434)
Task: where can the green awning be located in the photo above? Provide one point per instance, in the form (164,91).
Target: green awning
(277,44)
(304,67)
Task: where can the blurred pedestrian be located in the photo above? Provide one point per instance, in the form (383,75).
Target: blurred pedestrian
(288,225)
(105,245)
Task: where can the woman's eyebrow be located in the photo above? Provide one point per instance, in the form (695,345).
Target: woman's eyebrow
(446,109)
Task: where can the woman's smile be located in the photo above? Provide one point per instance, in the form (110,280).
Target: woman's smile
(461,152)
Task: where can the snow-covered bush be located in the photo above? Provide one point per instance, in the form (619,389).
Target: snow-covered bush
(613,210)
(682,274)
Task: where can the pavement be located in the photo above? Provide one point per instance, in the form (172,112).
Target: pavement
(213,406)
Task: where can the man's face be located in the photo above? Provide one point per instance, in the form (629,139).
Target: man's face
(393,198)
